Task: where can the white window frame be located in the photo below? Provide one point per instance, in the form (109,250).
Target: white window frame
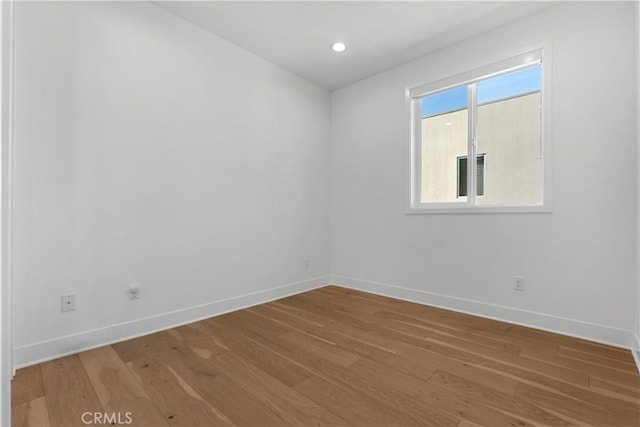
(541,54)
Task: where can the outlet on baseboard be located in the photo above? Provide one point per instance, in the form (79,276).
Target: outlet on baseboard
(68,303)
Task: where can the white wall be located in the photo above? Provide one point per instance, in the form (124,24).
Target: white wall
(150,151)
(579,261)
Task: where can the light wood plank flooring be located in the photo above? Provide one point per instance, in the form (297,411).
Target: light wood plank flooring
(335,356)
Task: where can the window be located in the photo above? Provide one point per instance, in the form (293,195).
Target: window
(462,175)
(495,115)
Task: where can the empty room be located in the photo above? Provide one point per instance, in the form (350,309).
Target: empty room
(320,213)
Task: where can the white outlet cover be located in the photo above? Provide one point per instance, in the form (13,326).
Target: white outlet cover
(518,283)
(68,303)
(134,291)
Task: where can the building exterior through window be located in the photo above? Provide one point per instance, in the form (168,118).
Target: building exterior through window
(496,120)
(509,166)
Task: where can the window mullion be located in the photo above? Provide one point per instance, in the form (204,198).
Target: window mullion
(471,144)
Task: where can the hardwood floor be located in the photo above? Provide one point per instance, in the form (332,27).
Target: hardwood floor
(334,356)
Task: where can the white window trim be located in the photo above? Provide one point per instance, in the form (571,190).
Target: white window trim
(526,57)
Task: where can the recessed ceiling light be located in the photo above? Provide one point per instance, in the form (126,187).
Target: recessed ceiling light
(338,47)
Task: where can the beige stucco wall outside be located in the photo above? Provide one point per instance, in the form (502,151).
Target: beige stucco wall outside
(508,134)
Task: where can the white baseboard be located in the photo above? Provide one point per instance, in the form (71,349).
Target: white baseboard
(636,352)
(575,328)
(52,349)
(63,346)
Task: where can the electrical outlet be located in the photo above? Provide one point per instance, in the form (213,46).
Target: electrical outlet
(518,283)
(68,303)
(134,291)
(306,264)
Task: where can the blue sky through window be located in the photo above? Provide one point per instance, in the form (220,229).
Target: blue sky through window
(444,102)
(504,86)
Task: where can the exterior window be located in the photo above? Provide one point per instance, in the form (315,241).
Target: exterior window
(462,175)
(496,115)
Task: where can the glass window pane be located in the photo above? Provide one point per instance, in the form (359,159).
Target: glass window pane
(444,102)
(462,176)
(480,175)
(444,139)
(508,85)
(508,131)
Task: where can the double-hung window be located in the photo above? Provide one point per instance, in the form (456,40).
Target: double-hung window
(494,115)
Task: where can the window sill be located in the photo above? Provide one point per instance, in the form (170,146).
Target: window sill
(434,209)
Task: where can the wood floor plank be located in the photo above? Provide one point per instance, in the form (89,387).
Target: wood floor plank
(290,320)
(320,347)
(449,334)
(412,391)
(375,352)
(199,342)
(579,411)
(450,319)
(624,409)
(354,407)
(374,337)
(604,350)
(68,391)
(133,349)
(288,404)
(286,305)
(630,394)
(517,340)
(177,353)
(496,399)
(342,317)
(257,321)
(210,382)
(611,374)
(465,423)
(410,359)
(279,367)
(335,356)
(31,414)
(27,386)
(117,387)
(177,401)
(249,328)
(353,305)
(403,396)
(236,405)
(483,348)
(293,407)
(628,366)
(312,304)
(491,378)
(505,362)
(372,299)
(20,414)
(543,338)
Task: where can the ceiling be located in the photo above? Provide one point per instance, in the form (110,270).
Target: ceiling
(296,35)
